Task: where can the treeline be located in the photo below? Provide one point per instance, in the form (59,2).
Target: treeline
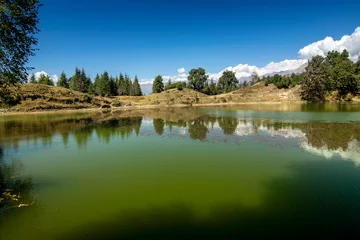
(283,81)
(198,81)
(103,85)
(333,74)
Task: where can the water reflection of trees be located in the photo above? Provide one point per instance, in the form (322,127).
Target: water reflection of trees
(82,128)
(159,125)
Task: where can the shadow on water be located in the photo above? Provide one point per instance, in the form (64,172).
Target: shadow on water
(16,195)
(320,199)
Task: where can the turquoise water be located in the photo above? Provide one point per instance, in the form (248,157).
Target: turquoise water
(185,173)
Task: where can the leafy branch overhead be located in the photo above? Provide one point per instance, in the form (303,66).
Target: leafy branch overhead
(18,26)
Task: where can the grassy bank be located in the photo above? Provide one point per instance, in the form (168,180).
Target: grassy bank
(40,98)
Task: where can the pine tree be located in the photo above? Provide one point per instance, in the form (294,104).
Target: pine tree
(121,85)
(33,79)
(45,79)
(158,85)
(127,87)
(168,84)
(85,82)
(74,83)
(103,85)
(113,88)
(63,81)
(136,87)
(212,88)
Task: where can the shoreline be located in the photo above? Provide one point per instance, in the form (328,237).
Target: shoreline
(8,112)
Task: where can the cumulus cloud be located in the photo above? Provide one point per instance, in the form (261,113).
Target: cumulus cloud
(53,77)
(242,71)
(181,76)
(350,43)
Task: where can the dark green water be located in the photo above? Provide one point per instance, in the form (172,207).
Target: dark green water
(197,173)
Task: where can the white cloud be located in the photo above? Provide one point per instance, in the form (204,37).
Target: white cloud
(350,43)
(181,76)
(53,77)
(181,70)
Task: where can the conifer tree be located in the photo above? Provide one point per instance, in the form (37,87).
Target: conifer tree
(127,87)
(158,85)
(33,79)
(113,88)
(74,83)
(103,85)
(121,85)
(63,81)
(45,79)
(136,87)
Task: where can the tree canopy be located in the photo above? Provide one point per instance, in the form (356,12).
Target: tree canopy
(63,81)
(158,85)
(18,26)
(333,73)
(227,82)
(197,79)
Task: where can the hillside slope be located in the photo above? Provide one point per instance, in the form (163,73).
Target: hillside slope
(37,97)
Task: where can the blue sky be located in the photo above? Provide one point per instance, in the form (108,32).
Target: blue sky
(150,37)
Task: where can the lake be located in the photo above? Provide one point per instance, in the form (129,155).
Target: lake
(182,173)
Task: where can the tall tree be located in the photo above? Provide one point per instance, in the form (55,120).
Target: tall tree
(168,84)
(227,82)
(113,87)
(197,79)
(313,87)
(103,85)
(74,83)
(121,85)
(136,87)
(127,86)
(33,79)
(341,73)
(18,26)
(45,79)
(212,88)
(255,78)
(63,81)
(85,82)
(158,85)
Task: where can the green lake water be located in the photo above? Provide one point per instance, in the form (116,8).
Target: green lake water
(183,173)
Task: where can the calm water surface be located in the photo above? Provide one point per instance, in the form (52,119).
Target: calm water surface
(185,173)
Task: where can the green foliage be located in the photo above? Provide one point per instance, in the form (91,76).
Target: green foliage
(158,85)
(79,81)
(127,86)
(227,82)
(254,78)
(284,81)
(313,88)
(168,85)
(158,125)
(245,84)
(335,72)
(18,20)
(102,84)
(197,79)
(63,81)
(172,85)
(113,87)
(45,79)
(121,85)
(33,79)
(210,88)
(136,88)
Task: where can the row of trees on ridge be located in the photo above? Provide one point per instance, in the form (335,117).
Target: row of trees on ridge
(103,85)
